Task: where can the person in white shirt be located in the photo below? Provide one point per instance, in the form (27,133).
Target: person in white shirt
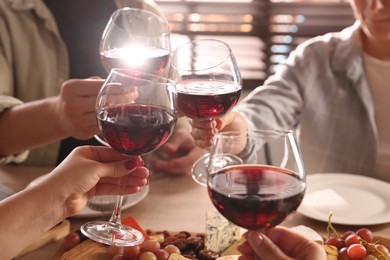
(334,91)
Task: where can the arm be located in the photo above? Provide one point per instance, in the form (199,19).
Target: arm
(88,171)
(40,122)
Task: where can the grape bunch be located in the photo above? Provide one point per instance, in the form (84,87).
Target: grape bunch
(356,245)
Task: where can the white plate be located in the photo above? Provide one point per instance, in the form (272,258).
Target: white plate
(354,199)
(132,199)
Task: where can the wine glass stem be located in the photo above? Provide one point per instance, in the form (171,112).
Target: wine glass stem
(116,214)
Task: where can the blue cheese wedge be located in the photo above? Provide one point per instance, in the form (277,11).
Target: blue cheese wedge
(220,233)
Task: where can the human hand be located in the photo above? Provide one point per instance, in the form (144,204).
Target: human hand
(280,243)
(177,155)
(75,107)
(90,171)
(204,131)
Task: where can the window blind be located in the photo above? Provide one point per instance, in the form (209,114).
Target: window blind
(261,33)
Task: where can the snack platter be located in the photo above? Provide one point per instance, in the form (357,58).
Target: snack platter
(219,242)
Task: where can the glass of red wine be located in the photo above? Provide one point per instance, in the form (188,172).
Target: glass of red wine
(268,184)
(136,114)
(208,85)
(136,39)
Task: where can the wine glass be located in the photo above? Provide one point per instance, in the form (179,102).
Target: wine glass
(136,114)
(137,39)
(208,85)
(262,190)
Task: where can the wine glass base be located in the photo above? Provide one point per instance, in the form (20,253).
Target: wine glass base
(199,170)
(111,233)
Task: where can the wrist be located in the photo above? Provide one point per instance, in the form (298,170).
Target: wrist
(56,114)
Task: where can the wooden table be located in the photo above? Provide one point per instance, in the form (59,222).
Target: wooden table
(173,203)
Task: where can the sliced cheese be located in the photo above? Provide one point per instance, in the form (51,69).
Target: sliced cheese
(220,233)
(232,249)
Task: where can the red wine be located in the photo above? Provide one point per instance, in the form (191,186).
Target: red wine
(136,129)
(255,197)
(205,99)
(148,60)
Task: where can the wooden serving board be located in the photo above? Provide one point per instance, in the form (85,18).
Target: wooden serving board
(87,250)
(56,233)
(91,250)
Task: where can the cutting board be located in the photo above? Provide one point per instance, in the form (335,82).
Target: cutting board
(58,232)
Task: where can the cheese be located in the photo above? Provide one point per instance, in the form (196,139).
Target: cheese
(175,256)
(220,233)
(232,249)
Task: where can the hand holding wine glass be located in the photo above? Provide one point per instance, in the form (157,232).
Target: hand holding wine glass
(136,114)
(259,192)
(208,85)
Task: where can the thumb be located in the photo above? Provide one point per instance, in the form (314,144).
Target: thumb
(225,121)
(264,248)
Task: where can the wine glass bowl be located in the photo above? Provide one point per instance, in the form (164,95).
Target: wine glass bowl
(208,85)
(136,111)
(267,186)
(208,79)
(136,114)
(136,39)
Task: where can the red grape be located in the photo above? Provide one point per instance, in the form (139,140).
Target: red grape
(71,240)
(366,234)
(343,254)
(150,246)
(383,251)
(335,241)
(356,251)
(347,234)
(147,256)
(131,252)
(172,249)
(161,254)
(351,240)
